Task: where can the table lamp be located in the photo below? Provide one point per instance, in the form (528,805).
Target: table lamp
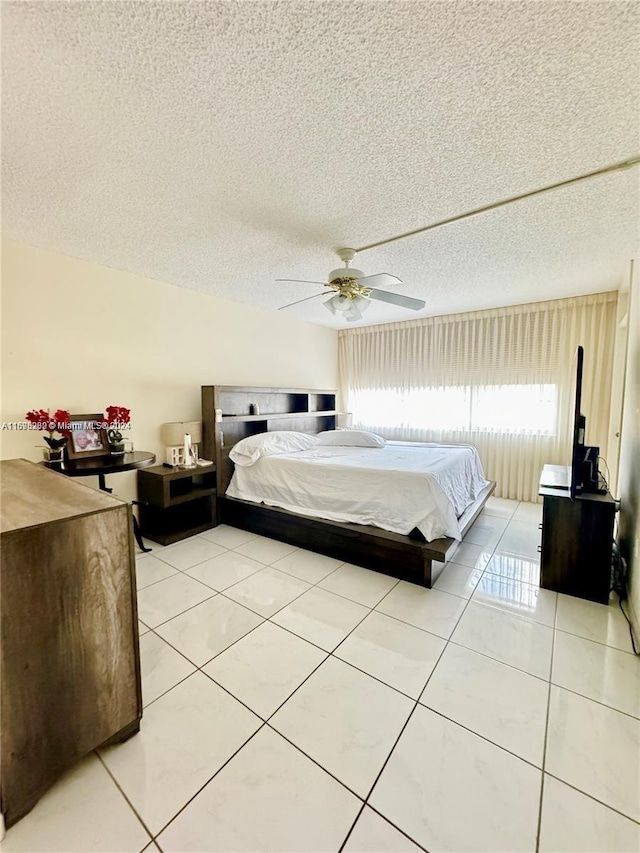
(344,420)
(182,439)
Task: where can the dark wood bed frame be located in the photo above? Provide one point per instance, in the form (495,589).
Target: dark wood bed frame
(229,414)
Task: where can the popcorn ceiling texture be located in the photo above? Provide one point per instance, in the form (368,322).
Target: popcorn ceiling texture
(221,145)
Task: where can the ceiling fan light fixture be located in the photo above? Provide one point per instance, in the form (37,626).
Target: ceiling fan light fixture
(328,304)
(338,303)
(350,307)
(352,315)
(361,303)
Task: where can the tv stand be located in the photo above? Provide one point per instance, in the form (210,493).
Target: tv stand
(577,541)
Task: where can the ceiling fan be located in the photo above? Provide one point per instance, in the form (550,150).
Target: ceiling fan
(352,290)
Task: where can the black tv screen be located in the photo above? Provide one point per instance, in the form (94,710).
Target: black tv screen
(577,444)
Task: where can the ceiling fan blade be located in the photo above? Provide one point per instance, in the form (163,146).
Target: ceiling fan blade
(398,299)
(291,304)
(299,281)
(381,279)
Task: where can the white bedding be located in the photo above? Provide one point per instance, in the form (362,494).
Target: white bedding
(397,487)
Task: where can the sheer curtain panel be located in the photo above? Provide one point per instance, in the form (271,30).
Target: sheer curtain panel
(500,379)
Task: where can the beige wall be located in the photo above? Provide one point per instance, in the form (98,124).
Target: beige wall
(629,477)
(79,336)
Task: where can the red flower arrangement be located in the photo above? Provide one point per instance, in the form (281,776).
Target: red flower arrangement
(116,417)
(59,422)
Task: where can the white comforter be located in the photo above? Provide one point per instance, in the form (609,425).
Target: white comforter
(396,487)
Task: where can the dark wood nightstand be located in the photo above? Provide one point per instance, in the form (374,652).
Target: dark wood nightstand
(176,503)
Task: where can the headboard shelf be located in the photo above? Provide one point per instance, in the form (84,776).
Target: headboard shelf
(322,401)
(277,416)
(236,402)
(255,389)
(303,410)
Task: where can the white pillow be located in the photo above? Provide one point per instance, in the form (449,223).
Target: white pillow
(351,438)
(250,449)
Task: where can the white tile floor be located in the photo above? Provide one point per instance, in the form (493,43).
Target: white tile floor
(294,703)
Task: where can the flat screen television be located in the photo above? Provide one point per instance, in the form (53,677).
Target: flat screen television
(584,475)
(579,422)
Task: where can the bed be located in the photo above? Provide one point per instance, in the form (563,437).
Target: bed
(403,484)
(398,487)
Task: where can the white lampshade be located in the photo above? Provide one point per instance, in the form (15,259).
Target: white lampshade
(336,303)
(344,420)
(351,309)
(173,434)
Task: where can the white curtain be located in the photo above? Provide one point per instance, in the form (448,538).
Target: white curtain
(500,379)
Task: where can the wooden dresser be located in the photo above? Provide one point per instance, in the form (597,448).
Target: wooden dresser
(70,656)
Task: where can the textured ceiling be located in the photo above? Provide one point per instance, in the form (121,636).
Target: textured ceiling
(222,145)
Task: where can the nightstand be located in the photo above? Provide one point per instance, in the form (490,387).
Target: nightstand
(176,503)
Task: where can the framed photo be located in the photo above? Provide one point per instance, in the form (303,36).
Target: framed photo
(88,437)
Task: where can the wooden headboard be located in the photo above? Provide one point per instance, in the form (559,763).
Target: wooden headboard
(229,415)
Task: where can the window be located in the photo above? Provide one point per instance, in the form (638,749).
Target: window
(515,409)
(519,409)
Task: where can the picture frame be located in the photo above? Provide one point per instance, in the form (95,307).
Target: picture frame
(88,437)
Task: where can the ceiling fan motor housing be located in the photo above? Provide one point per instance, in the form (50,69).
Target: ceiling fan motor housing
(345,272)
(343,275)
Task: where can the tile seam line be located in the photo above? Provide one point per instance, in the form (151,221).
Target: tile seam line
(269,618)
(544,748)
(263,724)
(595,642)
(200,668)
(96,752)
(633,820)
(416,703)
(254,613)
(182,612)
